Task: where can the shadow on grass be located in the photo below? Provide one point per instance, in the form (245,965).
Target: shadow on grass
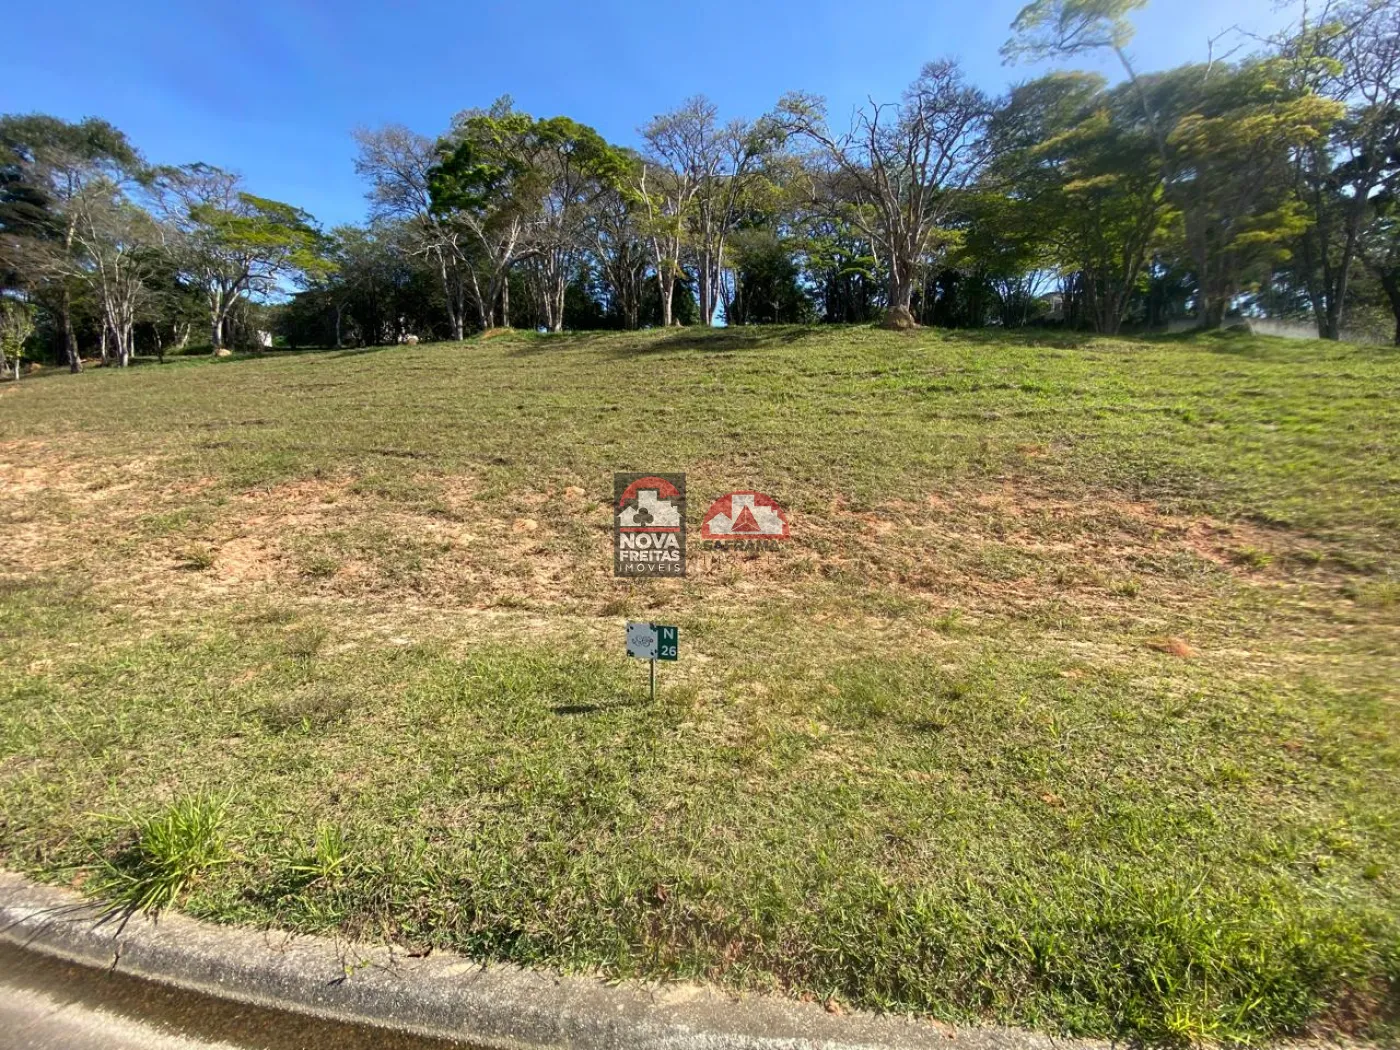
(625,344)
(1056,338)
(242,357)
(719,340)
(621,703)
(528,342)
(143,363)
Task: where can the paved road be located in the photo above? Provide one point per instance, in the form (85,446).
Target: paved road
(50,1005)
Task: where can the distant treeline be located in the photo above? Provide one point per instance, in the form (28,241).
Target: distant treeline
(1262,184)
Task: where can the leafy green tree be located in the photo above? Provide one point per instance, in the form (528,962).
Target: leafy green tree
(768,281)
(482,183)
(681,310)
(1007,246)
(1381,251)
(618,246)
(1224,136)
(1085,191)
(48,167)
(173,305)
(16,329)
(1230,150)
(840,263)
(570,170)
(233,244)
(524,190)
(379,288)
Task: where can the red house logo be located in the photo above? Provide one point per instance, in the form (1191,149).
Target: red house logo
(745,516)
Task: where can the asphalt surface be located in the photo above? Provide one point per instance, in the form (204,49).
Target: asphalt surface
(46,1004)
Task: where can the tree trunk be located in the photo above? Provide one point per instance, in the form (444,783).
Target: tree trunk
(666,286)
(899,316)
(483,309)
(631,301)
(707,306)
(1108,320)
(1213,311)
(70,338)
(726,293)
(1390,281)
(1331,326)
(450,297)
(561,291)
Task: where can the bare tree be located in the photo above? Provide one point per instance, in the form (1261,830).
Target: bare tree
(620,251)
(118,241)
(703,171)
(396,161)
(899,168)
(1350,53)
(670,179)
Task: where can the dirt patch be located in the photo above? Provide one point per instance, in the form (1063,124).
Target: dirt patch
(983,552)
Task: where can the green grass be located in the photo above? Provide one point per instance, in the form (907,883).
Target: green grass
(1071,703)
(167,854)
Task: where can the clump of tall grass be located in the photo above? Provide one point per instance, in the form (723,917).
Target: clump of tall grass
(172,850)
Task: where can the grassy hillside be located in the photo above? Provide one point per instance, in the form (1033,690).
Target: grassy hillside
(1070,704)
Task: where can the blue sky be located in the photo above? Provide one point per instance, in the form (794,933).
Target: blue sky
(273,89)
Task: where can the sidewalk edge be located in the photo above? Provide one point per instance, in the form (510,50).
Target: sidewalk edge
(443,995)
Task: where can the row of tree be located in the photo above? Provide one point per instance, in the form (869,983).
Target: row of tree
(1265,184)
(94,241)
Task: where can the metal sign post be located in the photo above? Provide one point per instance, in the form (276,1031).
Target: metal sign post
(652,642)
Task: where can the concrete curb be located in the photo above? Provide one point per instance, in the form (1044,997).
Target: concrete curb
(444,995)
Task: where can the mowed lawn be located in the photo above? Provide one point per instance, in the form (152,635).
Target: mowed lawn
(1072,703)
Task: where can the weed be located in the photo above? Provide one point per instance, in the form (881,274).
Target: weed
(328,857)
(320,566)
(315,706)
(197,558)
(1373,594)
(1251,557)
(306,641)
(171,851)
